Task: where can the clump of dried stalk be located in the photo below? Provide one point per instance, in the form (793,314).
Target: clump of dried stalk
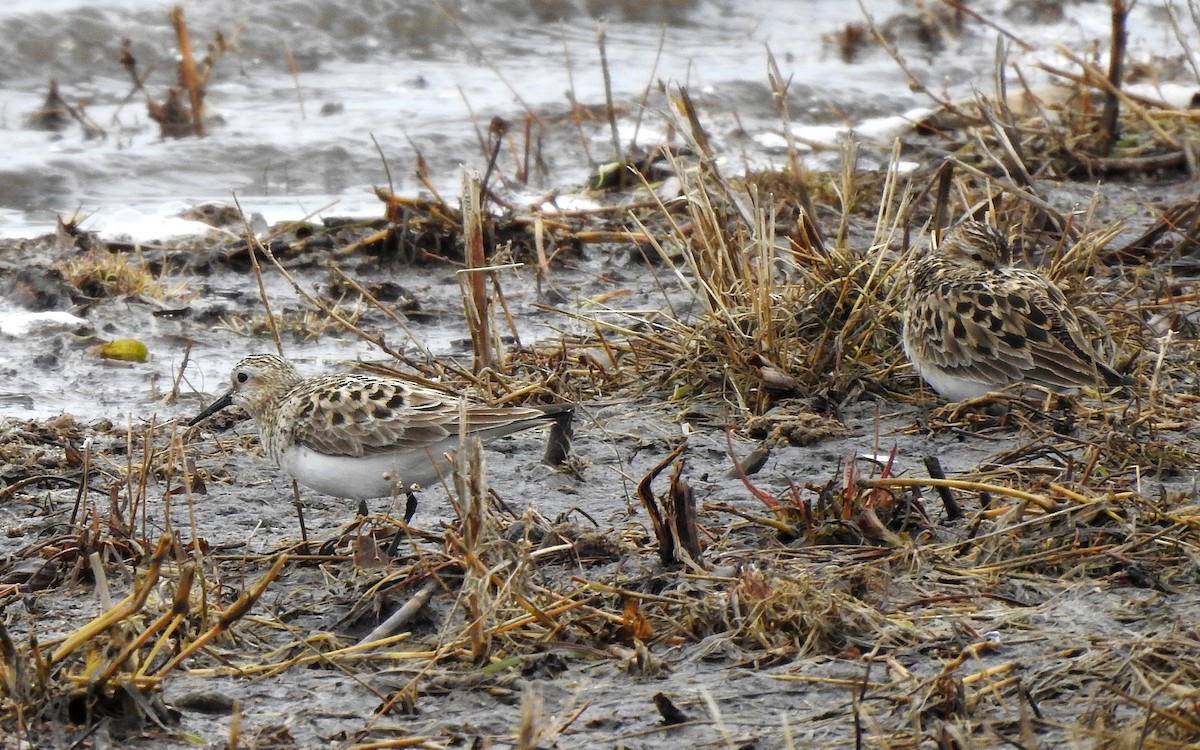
(777,311)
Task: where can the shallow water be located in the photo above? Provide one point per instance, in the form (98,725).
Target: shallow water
(418,77)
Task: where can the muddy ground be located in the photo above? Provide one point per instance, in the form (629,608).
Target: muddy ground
(835,617)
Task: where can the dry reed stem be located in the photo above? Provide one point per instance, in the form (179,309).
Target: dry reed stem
(132,603)
(167,622)
(187,70)
(230,615)
(1043,502)
(476,305)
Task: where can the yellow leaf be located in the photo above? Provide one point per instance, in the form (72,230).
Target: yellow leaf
(126,350)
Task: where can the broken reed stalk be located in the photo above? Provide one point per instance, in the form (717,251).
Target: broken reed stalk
(187,70)
(530,718)
(190,490)
(102,590)
(683,102)
(779,90)
(477,531)
(934,467)
(494,277)
(15,681)
(402,616)
(665,521)
(609,108)
(137,500)
(129,453)
(235,725)
(173,396)
(387,172)
(681,507)
(539,246)
(527,151)
(497,129)
(1111,111)
(83,481)
(475,300)
(470,487)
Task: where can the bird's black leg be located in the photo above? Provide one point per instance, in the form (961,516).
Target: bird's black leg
(410,510)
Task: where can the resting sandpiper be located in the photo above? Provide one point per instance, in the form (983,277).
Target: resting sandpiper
(363,436)
(973,323)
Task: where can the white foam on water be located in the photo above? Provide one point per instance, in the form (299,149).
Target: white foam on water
(23,323)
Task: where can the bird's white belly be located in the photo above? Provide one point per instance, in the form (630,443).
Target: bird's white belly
(955,388)
(949,387)
(365,477)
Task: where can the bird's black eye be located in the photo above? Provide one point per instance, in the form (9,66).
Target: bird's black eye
(242,377)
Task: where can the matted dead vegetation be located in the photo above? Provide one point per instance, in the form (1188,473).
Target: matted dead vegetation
(936,611)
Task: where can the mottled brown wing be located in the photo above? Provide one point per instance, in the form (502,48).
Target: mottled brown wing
(1061,356)
(352,415)
(996,325)
(965,334)
(355,415)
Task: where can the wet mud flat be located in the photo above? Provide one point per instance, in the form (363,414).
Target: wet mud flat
(770,535)
(810,607)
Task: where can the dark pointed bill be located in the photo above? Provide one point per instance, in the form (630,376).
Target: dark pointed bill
(213,408)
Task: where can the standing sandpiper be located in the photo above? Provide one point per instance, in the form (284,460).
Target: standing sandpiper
(363,436)
(974,324)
